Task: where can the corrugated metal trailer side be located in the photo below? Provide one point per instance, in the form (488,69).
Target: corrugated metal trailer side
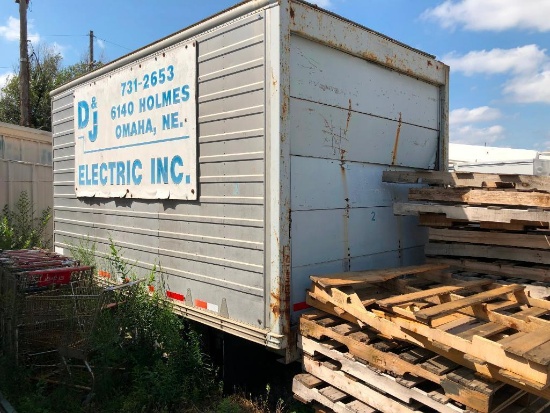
(284,101)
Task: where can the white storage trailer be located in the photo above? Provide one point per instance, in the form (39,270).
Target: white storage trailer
(245,153)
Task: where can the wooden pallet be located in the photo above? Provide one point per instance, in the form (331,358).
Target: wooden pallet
(414,396)
(326,398)
(414,368)
(470,180)
(498,330)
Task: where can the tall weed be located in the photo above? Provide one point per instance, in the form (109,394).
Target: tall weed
(20,228)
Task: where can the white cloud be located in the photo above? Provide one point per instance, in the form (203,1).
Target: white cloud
(59,48)
(530,89)
(100,43)
(471,135)
(517,60)
(481,114)
(4,77)
(11,31)
(493,15)
(528,68)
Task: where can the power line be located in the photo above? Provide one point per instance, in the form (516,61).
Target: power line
(113,43)
(64,35)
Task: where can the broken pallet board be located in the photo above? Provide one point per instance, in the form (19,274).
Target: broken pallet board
(413,326)
(481,197)
(372,276)
(441,221)
(502,267)
(535,239)
(458,249)
(476,214)
(469,179)
(411,367)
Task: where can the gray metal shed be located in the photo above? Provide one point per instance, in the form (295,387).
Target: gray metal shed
(298,112)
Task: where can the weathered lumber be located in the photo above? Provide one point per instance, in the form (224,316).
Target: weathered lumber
(372,276)
(533,240)
(441,221)
(419,334)
(487,251)
(481,197)
(469,179)
(475,214)
(504,268)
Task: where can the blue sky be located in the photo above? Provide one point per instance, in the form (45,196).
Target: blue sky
(498,50)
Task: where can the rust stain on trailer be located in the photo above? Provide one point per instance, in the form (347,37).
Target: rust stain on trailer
(396,144)
(348,119)
(280,297)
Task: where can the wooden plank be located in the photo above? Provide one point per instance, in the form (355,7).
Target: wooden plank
(474,214)
(384,383)
(420,334)
(372,276)
(452,306)
(420,295)
(441,221)
(505,268)
(540,354)
(469,179)
(527,343)
(504,239)
(484,330)
(488,251)
(481,197)
(308,394)
(486,370)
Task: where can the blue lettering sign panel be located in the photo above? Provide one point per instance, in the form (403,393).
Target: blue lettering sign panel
(135,129)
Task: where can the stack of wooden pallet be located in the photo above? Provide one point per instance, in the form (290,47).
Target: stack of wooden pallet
(484,223)
(416,339)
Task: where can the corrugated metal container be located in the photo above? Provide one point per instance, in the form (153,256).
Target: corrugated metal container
(298,112)
(26,165)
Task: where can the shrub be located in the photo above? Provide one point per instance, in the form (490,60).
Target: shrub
(20,228)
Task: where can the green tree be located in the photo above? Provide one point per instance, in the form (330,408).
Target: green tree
(46,74)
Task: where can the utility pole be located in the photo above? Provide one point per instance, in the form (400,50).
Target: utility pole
(24,74)
(91,50)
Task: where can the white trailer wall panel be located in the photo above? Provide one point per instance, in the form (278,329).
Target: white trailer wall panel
(298,114)
(217,241)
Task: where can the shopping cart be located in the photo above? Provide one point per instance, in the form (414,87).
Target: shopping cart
(62,321)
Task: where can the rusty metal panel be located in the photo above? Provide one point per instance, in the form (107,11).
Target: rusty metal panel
(336,32)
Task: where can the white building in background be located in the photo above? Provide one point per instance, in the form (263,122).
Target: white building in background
(478,158)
